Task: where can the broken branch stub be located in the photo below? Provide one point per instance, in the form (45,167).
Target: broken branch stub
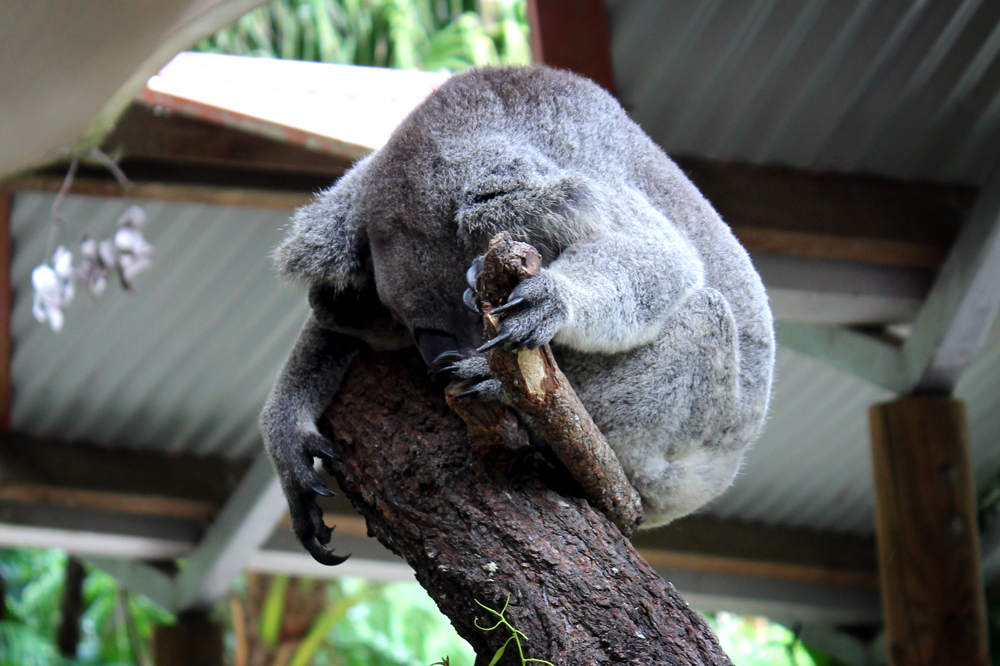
(539,389)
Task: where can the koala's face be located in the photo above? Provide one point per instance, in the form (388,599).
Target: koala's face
(419,272)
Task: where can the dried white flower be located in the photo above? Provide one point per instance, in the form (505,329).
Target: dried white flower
(93,268)
(54,288)
(133,252)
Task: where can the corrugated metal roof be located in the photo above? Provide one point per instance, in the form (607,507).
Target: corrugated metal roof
(184,362)
(812,465)
(902,88)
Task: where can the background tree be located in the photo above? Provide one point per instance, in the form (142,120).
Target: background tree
(404,34)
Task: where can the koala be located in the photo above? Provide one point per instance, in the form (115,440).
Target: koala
(653,309)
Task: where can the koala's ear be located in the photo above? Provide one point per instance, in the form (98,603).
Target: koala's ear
(326,244)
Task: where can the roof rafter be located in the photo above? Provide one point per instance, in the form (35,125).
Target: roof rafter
(950,327)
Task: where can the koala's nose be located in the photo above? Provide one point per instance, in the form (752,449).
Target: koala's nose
(434,343)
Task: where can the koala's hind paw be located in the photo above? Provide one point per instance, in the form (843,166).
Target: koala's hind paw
(473,372)
(311,531)
(293,455)
(488,389)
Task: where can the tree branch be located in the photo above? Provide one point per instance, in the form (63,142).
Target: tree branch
(473,512)
(538,388)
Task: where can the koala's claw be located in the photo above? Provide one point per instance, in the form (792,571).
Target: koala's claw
(321,489)
(444,359)
(325,453)
(324,555)
(469,298)
(509,305)
(495,342)
(488,389)
(309,528)
(472,275)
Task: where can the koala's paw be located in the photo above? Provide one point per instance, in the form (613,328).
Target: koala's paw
(534,313)
(472,370)
(293,457)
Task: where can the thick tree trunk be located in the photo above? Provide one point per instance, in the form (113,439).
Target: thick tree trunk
(473,510)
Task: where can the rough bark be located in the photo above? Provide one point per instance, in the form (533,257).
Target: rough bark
(474,512)
(539,389)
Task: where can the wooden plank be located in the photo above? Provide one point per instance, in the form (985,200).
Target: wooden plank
(148,505)
(932,593)
(169,137)
(880,251)
(193,640)
(6,304)
(962,305)
(573,35)
(834,216)
(874,359)
(79,466)
(162,191)
(774,570)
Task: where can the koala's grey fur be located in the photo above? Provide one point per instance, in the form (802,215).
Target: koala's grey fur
(654,310)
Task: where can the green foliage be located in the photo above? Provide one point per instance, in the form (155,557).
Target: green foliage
(394,624)
(21,646)
(515,635)
(116,627)
(431,35)
(754,641)
(274,605)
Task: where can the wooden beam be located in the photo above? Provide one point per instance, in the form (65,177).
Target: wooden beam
(932,592)
(61,472)
(962,304)
(143,504)
(774,210)
(843,248)
(869,357)
(65,477)
(165,191)
(142,134)
(241,527)
(832,216)
(573,35)
(193,639)
(6,304)
(711,545)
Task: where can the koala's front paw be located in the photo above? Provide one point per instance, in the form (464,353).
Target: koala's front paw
(535,311)
(472,369)
(292,454)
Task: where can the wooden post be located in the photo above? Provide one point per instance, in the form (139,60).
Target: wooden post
(193,641)
(6,303)
(932,592)
(573,35)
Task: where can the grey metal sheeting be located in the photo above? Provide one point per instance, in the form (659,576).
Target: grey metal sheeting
(903,88)
(184,362)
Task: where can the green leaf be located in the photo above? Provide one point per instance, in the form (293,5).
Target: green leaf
(333,614)
(500,652)
(273,610)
